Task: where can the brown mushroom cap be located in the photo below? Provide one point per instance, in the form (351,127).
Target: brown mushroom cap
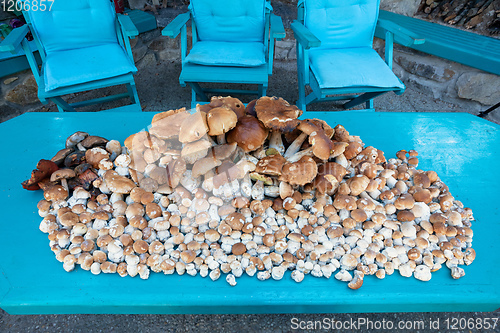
(422,179)
(62,174)
(352,150)
(359,215)
(277,114)
(220,120)
(325,185)
(301,172)
(329,131)
(162,115)
(193,128)
(221,152)
(95,155)
(321,143)
(93,141)
(271,165)
(249,133)
(358,184)
(69,219)
(405,216)
(168,126)
(229,102)
(75,138)
(204,165)
(44,169)
(238,249)
(55,193)
(61,155)
(193,151)
(140,246)
(117,183)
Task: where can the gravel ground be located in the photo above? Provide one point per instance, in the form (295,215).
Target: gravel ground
(265,323)
(159,90)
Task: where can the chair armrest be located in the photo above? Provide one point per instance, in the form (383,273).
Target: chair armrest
(277,28)
(174,28)
(129,29)
(13,40)
(305,37)
(402,35)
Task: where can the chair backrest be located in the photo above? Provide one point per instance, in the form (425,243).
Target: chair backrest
(342,23)
(73,24)
(229,20)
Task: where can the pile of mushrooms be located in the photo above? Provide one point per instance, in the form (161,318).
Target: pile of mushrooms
(233,189)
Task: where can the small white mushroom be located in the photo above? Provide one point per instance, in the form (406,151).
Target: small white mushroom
(231,280)
(297,276)
(422,273)
(457,272)
(343,275)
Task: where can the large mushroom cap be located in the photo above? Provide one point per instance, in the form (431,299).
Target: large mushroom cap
(193,128)
(329,131)
(301,172)
(277,114)
(93,141)
(229,102)
(117,183)
(163,115)
(169,126)
(271,165)
(193,151)
(321,144)
(220,120)
(249,133)
(318,139)
(55,193)
(325,184)
(75,138)
(62,174)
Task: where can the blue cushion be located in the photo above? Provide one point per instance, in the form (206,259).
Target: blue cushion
(75,24)
(70,67)
(355,67)
(227,54)
(229,20)
(342,23)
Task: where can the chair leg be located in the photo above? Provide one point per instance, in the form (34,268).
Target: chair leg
(262,90)
(369,104)
(62,105)
(363,98)
(132,91)
(301,103)
(197,91)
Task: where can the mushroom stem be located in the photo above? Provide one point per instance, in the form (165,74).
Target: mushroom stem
(276,142)
(295,145)
(221,139)
(297,156)
(64,184)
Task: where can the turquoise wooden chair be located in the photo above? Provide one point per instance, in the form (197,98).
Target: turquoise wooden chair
(84,45)
(233,42)
(335,55)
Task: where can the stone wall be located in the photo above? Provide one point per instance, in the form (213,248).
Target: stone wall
(403,7)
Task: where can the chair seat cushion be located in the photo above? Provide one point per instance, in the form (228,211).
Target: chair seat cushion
(354,67)
(212,53)
(76,66)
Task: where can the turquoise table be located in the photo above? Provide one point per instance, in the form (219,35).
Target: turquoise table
(463,149)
